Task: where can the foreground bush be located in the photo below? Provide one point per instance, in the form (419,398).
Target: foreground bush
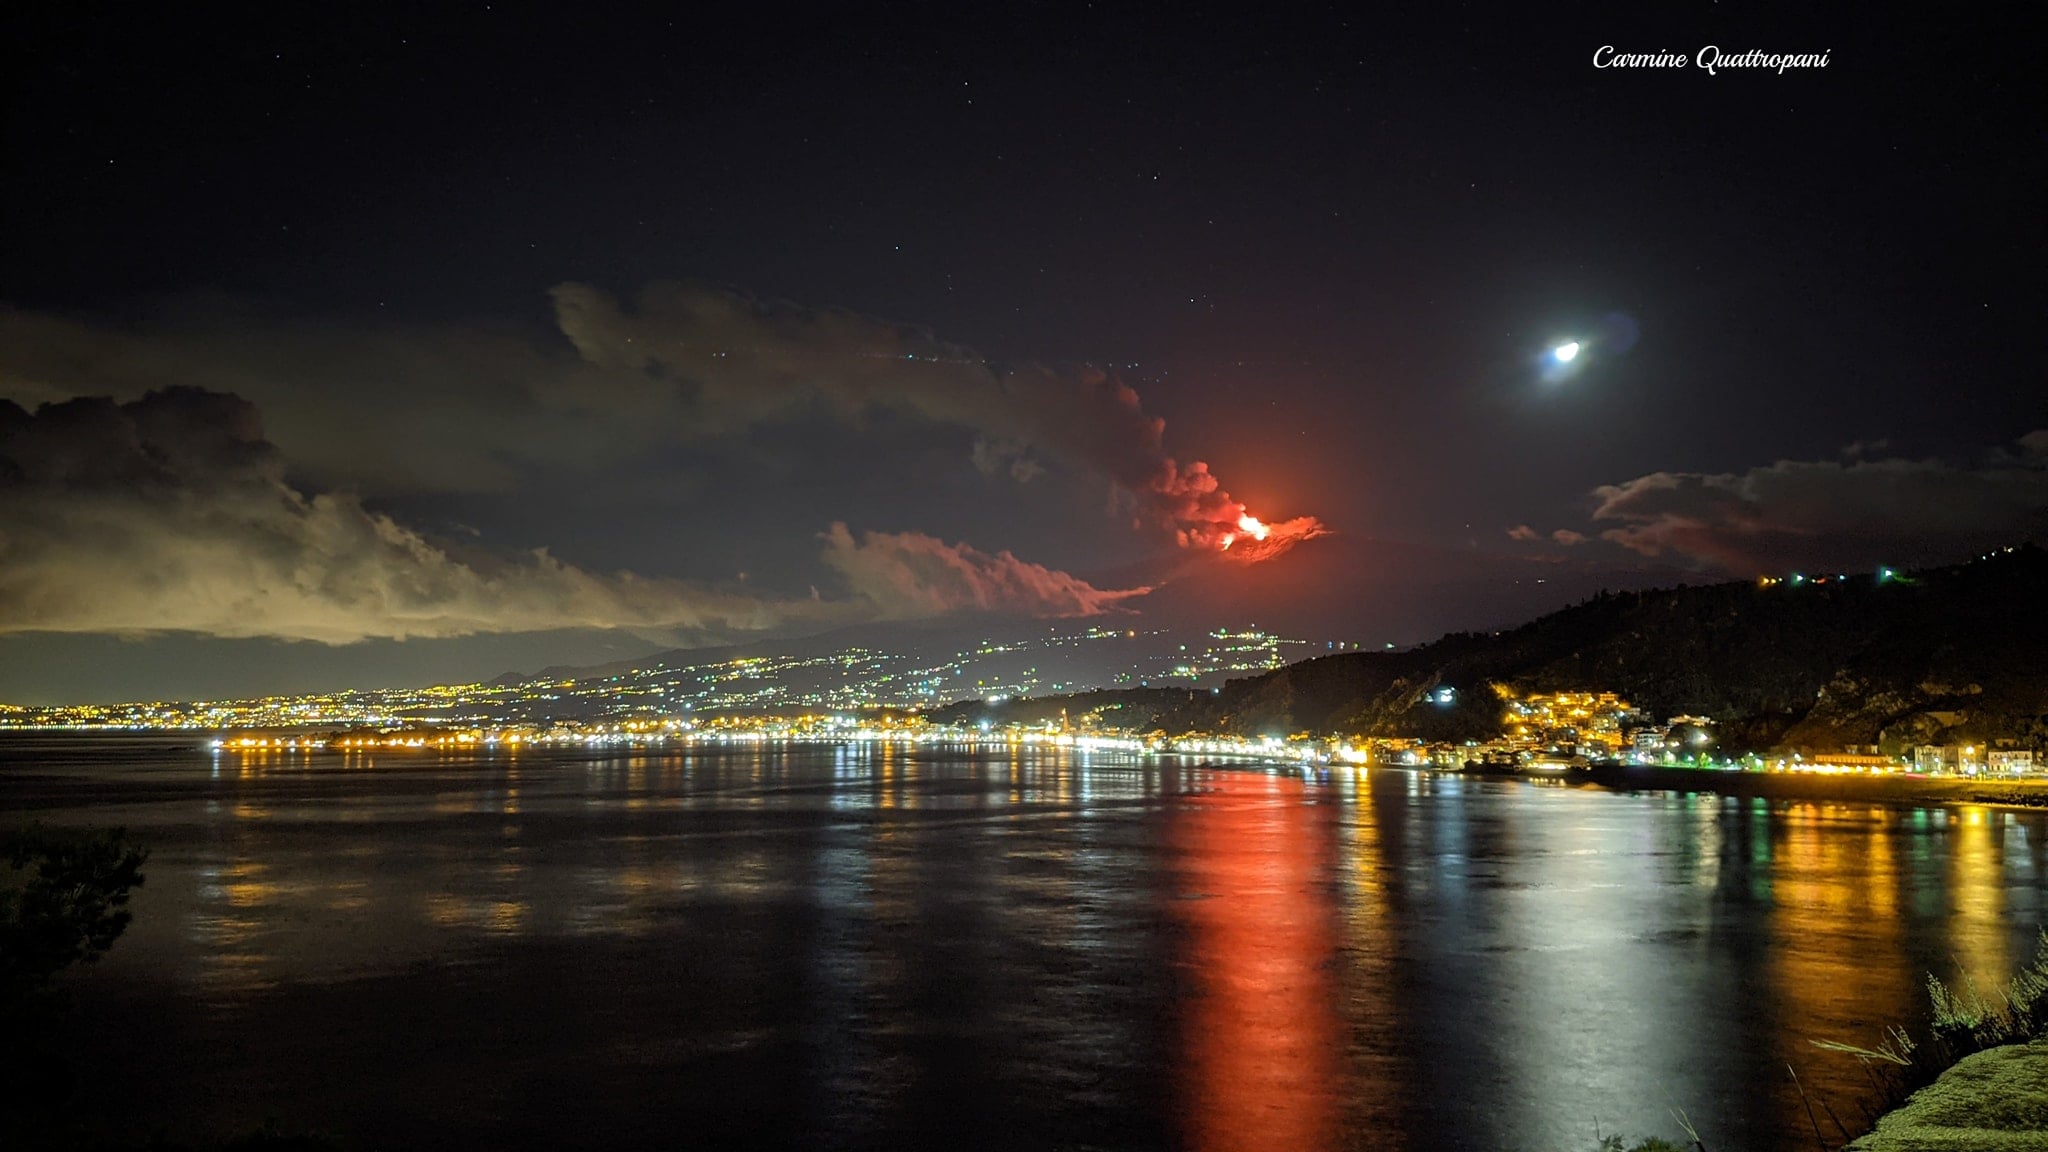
(1962,1024)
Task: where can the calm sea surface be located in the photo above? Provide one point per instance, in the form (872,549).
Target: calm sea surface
(867,946)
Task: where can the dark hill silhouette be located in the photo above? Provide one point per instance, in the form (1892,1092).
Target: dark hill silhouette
(1956,654)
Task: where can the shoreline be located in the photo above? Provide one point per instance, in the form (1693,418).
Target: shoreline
(1898,789)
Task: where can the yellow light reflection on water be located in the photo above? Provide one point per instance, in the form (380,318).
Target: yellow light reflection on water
(1977,927)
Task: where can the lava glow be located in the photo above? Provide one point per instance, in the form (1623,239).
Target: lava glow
(1247,525)
(1206,518)
(1254,540)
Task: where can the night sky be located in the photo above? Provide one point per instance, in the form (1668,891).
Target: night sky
(357,348)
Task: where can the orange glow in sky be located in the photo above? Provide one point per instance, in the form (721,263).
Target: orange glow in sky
(1255,540)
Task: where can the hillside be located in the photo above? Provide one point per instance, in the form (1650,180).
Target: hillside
(1957,654)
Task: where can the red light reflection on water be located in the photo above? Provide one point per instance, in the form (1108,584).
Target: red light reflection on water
(1260,1063)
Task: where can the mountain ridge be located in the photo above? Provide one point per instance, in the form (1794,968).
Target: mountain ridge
(1942,655)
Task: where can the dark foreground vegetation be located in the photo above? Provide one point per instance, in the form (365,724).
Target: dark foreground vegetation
(63,903)
(1963,1022)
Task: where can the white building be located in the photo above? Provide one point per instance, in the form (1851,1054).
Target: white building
(2009,763)
(1936,758)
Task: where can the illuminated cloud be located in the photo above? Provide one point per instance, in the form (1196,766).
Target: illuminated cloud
(172,513)
(909,574)
(1527,535)
(1832,513)
(1000,457)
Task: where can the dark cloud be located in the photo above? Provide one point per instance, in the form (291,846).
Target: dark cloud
(741,359)
(1011,457)
(1850,513)
(172,512)
(394,408)
(381,407)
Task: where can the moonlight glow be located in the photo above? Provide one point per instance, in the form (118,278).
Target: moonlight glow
(1566,352)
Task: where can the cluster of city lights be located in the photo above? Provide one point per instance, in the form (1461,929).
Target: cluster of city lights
(1795,579)
(1064,659)
(1547,734)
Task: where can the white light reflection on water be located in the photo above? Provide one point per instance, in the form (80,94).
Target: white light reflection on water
(1086,945)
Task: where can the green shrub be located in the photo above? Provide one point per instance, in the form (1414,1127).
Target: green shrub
(1961,1024)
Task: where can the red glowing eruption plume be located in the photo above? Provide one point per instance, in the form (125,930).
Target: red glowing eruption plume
(1254,540)
(1205,517)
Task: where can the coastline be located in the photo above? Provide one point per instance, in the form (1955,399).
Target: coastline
(1891,788)
(1855,788)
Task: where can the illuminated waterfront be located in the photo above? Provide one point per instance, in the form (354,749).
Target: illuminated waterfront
(676,687)
(1030,945)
